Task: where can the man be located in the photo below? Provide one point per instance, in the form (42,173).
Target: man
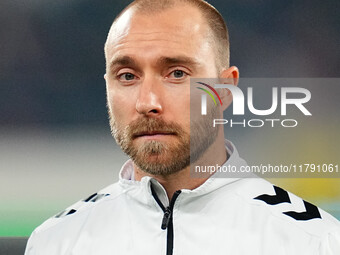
(152,50)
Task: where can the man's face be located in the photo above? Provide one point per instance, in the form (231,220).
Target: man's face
(150,59)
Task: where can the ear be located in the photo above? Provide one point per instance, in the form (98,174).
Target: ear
(232,74)
(105,76)
(228,76)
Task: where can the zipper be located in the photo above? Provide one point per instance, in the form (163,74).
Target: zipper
(166,218)
(167,222)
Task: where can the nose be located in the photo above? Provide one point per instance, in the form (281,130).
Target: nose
(149,100)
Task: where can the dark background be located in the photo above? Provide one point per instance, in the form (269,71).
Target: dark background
(52,60)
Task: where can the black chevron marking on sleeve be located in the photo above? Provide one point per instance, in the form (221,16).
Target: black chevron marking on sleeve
(281,196)
(98,197)
(95,197)
(90,197)
(72,211)
(61,214)
(65,213)
(312,212)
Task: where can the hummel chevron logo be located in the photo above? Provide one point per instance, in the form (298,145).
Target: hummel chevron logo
(282,196)
(312,212)
(93,198)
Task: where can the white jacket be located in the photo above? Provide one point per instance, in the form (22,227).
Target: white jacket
(222,216)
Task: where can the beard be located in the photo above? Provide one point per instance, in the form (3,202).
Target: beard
(163,158)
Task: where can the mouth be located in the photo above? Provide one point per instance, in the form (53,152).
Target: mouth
(153,134)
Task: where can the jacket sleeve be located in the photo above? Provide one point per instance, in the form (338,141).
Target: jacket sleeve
(30,245)
(331,244)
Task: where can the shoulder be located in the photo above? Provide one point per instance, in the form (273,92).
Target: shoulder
(79,210)
(286,209)
(57,234)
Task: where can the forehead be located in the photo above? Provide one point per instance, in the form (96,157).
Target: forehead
(180,28)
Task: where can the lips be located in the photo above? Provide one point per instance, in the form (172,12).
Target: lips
(152,133)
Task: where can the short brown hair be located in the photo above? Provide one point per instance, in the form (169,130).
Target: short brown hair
(214,20)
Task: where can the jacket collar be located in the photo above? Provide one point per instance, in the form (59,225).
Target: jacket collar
(141,189)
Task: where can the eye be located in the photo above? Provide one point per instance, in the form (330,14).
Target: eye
(177,74)
(127,77)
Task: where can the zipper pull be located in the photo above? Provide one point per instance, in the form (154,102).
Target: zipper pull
(166,218)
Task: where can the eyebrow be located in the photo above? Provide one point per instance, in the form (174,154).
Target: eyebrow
(122,61)
(178,60)
(162,61)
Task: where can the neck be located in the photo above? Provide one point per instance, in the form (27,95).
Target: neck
(215,154)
